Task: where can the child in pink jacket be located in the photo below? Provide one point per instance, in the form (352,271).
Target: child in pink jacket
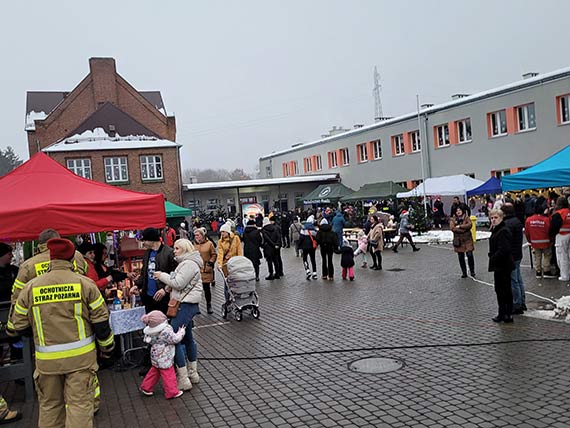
(159,334)
(362,247)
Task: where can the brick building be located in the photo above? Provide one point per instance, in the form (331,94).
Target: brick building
(107,131)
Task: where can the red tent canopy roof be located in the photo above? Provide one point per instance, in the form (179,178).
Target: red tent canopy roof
(42,194)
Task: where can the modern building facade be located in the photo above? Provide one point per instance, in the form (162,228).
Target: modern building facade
(495,132)
(105,130)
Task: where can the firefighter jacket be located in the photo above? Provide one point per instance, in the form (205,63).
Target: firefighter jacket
(536,230)
(565,215)
(67,315)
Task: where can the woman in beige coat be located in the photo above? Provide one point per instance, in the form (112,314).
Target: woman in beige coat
(376,242)
(209,255)
(460,225)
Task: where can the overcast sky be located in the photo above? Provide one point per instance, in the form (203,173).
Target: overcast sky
(245,78)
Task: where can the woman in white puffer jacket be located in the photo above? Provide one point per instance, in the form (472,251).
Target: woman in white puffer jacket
(185,286)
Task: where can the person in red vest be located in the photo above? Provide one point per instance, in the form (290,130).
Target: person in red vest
(169,236)
(536,230)
(560,228)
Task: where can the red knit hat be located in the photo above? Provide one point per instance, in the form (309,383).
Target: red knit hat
(59,248)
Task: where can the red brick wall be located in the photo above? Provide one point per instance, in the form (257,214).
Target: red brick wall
(171,187)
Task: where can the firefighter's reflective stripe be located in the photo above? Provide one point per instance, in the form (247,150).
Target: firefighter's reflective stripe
(10,325)
(564,229)
(39,327)
(539,241)
(18,285)
(77,310)
(106,342)
(97,387)
(65,350)
(98,302)
(20,309)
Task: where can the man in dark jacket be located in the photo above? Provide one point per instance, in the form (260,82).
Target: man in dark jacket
(271,248)
(501,264)
(252,242)
(516,228)
(158,257)
(458,204)
(285,223)
(328,241)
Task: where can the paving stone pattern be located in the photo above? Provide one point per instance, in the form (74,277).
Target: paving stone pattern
(289,368)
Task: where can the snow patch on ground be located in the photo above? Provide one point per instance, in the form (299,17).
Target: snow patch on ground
(561,313)
(443,236)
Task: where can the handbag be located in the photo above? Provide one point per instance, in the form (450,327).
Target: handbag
(174,305)
(313,241)
(373,242)
(456,242)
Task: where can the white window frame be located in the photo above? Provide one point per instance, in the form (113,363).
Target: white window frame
(116,162)
(344,157)
(524,117)
(377,149)
(334,160)
(398,141)
(415,141)
(363,152)
(286,169)
(318,163)
(442,132)
(152,162)
(295,168)
(80,167)
(497,120)
(308,164)
(465,124)
(564,109)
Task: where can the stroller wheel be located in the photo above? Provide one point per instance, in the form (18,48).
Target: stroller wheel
(237,315)
(255,313)
(224,311)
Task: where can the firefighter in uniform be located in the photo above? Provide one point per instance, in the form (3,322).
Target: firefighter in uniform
(536,229)
(67,316)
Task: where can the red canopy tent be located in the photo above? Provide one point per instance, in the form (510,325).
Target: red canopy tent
(42,194)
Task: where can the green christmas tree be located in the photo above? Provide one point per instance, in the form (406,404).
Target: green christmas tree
(419,219)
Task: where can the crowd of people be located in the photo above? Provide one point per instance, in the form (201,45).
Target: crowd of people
(178,268)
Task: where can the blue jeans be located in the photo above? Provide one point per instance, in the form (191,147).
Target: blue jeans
(187,346)
(517,286)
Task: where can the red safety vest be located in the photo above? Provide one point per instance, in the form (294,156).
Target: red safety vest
(565,214)
(536,230)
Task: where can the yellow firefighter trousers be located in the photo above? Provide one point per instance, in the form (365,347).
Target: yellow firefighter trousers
(66,400)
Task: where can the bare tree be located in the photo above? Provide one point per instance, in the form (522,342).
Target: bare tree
(212,175)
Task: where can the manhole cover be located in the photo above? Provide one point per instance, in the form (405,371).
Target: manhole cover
(395,270)
(375,365)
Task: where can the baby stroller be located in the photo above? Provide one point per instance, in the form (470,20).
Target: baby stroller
(239,288)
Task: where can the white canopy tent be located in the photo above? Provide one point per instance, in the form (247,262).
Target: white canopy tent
(451,185)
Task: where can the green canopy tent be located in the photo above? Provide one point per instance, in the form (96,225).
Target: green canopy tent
(374,191)
(327,194)
(173,210)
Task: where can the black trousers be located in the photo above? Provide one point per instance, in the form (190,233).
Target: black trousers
(470,260)
(504,292)
(328,268)
(278,262)
(406,235)
(207,292)
(376,258)
(311,255)
(285,238)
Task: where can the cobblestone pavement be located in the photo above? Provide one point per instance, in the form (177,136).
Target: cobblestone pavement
(289,368)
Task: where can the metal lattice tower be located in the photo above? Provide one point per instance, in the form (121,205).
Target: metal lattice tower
(376,91)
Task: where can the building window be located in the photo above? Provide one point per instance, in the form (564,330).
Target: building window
(268,171)
(319,163)
(502,173)
(415,141)
(398,141)
(344,157)
(362,151)
(286,171)
(442,134)
(526,117)
(464,131)
(116,170)
(565,109)
(307,164)
(151,168)
(498,123)
(377,149)
(294,168)
(333,161)
(81,167)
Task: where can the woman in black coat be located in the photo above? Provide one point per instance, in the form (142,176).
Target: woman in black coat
(328,241)
(271,248)
(501,264)
(252,243)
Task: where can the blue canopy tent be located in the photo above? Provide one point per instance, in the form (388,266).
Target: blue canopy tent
(490,187)
(551,172)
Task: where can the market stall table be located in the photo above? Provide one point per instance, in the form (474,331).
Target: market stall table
(124,323)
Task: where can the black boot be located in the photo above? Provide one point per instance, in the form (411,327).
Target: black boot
(209,308)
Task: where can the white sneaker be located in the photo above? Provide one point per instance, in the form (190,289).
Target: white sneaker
(315,275)
(560,278)
(179,394)
(308,273)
